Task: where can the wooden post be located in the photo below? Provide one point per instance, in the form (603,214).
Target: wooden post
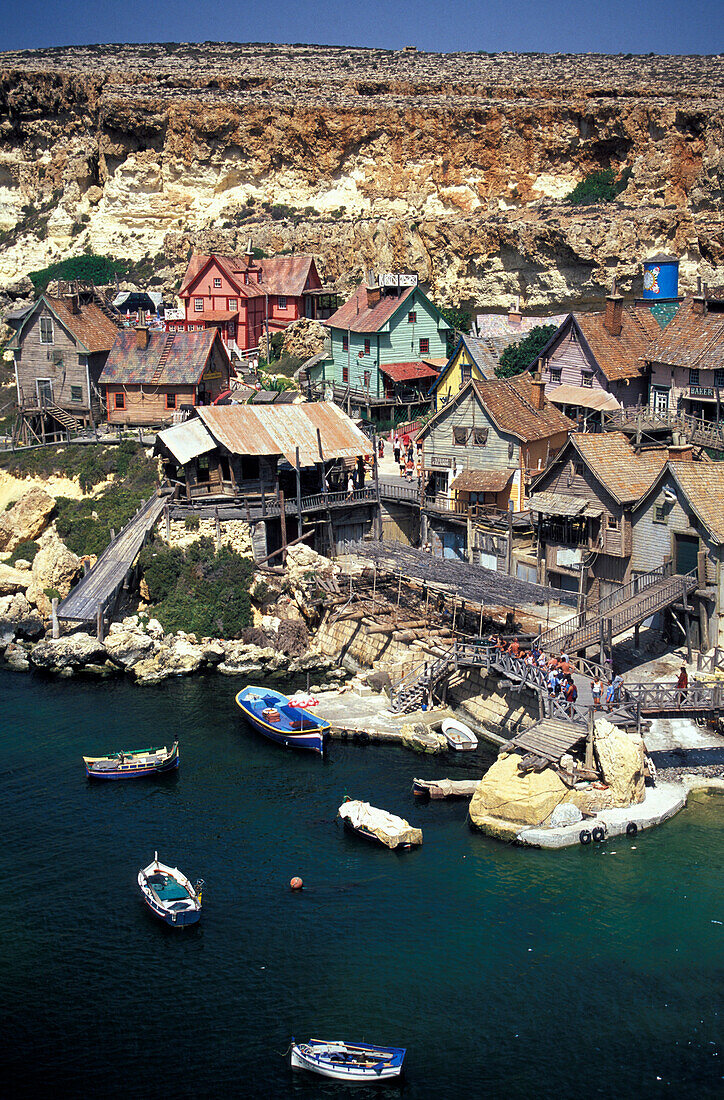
(113,533)
(601,642)
(509,561)
(399,590)
(248,510)
(99,624)
(589,739)
(609,640)
(374,586)
(687,624)
(263,499)
(283,525)
(54,615)
(469,532)
(298,470)
(376,476)
(480,629)
(455,611)
(637,629)
(167,517)
(217,523)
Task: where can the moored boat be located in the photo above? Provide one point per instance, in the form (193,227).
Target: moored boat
(459,736)
(132,763)
(169,894)
(272,714)
(379,825)
(342,1061)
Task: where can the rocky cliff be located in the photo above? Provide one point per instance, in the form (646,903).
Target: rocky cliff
(452,165)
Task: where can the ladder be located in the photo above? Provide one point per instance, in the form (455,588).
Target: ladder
(163,359)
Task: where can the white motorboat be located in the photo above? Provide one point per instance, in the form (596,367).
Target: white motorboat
(354,1062)
(459,736)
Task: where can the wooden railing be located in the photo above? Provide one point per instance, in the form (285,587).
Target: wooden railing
(445,506)
(696,429)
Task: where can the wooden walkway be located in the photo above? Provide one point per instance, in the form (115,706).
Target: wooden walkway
(99,588)
(548,740)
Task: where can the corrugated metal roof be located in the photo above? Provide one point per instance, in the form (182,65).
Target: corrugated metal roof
(280,429)
(402,372)
(585,396)
(559,504)
(186,441)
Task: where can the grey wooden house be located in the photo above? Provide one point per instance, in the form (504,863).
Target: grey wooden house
(60,350)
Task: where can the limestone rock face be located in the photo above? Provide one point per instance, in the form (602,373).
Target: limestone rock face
(16,612)
(248,660)
(72,651)
(304,338)
(127,647)
(13,580)
(506,797)
(621,758)
(27,519)
(54,566)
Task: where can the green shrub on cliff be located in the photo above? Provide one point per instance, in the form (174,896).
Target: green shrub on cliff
(99,270)
(599,187)
(199,590)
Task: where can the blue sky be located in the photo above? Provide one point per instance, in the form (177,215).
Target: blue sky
(541,26)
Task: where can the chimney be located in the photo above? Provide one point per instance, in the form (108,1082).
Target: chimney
(374,292)
(538,390)
(514,314)
(613,319)
(74,303)
(699,301)
(683,453)
(249,254)
(141,337)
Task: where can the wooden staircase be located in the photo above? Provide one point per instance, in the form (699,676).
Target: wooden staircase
(163,359)
(69,422)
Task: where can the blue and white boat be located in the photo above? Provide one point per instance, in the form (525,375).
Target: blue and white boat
(272,714)
(169,894)
(353,1062)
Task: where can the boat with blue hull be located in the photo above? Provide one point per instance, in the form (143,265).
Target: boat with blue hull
(353,1062)
(272,714)
(132,763)
(169,894)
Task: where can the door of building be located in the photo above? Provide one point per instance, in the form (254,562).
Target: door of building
(686,550)
(661,400)
(44,390)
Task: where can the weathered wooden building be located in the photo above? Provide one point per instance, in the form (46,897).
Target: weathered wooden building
(150,375)
(60,350)
(480,451)
(471,358)
(596,362)
(686,360)
(276,464)
(583,504)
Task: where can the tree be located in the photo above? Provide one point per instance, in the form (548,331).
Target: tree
(519,356)
(460,320)
(599,187)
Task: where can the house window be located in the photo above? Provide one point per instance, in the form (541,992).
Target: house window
(556,374)
(76,393)
(694,376)
(46,330)
(578,468)
(367,379)
(466,372)
(587,379)
(511,449)
(232,304)
(170,400)
(217,284)
(198,305)
(231,330)
(660,514)
(345,374)
(119,400)
(460,436)
(719,379)
(424,347)
(480,436)
(367,347)
(412,317)
(612,523)
(282,301)
(345,342)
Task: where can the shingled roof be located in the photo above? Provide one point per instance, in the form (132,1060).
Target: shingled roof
(702,483)
(611,458)
(618,357)
(510,404)
(357,316)
(184,361)
(92,329)
(279,274)
(690,340)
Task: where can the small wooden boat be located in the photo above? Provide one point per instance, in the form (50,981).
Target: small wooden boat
(379,825)
(444,788)
(348,1061)
(275,717)
(169,894)
(132,763)
(459,736)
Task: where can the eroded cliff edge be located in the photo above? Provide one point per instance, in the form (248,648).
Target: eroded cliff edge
(453,165)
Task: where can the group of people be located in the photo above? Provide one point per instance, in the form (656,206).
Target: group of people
(403,452)
(559,675)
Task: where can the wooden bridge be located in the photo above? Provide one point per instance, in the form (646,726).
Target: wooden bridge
(98,590)
(628,606)
(646,422)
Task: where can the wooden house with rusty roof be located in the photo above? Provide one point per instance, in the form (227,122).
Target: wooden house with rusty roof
(597,362)
(60,350)
(149,375)
(686,360)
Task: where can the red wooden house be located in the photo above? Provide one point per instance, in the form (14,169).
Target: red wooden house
(241,296)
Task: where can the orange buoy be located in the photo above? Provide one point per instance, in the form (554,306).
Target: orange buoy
(296,884)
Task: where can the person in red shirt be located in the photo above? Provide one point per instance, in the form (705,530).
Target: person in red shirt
(514,649)
(682,685)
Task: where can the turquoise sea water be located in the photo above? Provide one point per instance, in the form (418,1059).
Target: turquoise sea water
(595,972)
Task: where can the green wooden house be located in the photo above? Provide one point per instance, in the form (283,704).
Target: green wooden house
(388,344)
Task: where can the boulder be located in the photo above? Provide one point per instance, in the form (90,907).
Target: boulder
(304,338)
(506,801)
(213,653)
(27,518)
(419,738)
(127,648)
(565,813)
(22,564)
(16,657)
(247,660)
(179,657)
(13,580)
(54,566)
(17,614)
(72,651)
(621,759)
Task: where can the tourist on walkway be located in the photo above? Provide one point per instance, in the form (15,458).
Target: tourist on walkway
(396,449)
(597,692)
(613,692)
(381,448)
(350,487)
(571,695)
(553,684)
(682,685)
(514,648)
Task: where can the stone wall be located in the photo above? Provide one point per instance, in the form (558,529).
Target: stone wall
(235,533)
